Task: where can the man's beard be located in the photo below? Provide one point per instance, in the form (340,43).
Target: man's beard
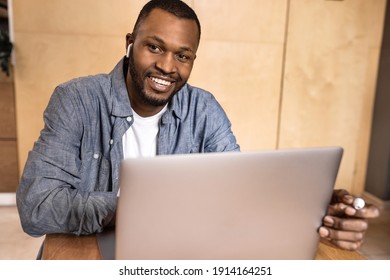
(140,90)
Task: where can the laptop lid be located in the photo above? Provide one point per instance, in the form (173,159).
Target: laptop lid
(235,205)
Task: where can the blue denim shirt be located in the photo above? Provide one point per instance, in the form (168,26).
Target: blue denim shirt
(71,177)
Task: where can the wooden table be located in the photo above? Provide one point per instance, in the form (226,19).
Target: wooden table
(70,247)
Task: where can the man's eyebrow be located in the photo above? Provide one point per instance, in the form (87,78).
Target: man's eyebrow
(161,41)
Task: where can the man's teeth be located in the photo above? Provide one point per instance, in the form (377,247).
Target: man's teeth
(160,81)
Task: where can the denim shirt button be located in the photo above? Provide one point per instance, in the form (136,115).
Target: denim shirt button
(111,141)
(95,156)
(129,119)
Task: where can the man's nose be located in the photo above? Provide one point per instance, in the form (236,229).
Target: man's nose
(166,63)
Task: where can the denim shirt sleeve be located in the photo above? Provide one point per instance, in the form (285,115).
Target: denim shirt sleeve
(219,136)
(51,197)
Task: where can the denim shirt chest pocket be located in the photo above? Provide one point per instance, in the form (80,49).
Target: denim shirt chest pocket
(96,172)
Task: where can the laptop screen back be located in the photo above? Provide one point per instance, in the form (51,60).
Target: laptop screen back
(248,205)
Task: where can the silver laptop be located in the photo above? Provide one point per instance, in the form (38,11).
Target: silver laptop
(221,206)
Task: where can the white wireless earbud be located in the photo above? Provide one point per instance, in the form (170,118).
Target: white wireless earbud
(359,203)
(128,50)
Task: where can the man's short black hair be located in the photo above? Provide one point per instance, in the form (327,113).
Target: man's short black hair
(175,7)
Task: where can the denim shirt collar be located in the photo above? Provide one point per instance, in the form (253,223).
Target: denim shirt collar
(174,109)
(120,98)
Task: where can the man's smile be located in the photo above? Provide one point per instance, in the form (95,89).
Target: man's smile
(160,84)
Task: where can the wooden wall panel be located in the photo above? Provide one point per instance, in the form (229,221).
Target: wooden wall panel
(245,78)
(7,111)
(241,64)
(87,17)
(331,65)
(9,175)
(8,153)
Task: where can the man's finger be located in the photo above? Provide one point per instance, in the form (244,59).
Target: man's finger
(369,211)
(350,224)
(340,235)
(347,245)
(341,195)
(340,209)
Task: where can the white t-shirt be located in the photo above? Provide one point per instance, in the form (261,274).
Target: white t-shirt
(140,140)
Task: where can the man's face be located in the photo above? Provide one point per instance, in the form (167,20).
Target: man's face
(161,59)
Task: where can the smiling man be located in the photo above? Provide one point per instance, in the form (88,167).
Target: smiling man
(143,108)
(160,59)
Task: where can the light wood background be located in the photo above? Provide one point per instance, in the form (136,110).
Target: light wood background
(8,150)
(290,73)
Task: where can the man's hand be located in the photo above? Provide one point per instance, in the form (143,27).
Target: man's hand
(344,226)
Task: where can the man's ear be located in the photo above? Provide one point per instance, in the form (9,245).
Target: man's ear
(129,39)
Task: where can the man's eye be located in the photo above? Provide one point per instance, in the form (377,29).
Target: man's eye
(183,58)
(154,49)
